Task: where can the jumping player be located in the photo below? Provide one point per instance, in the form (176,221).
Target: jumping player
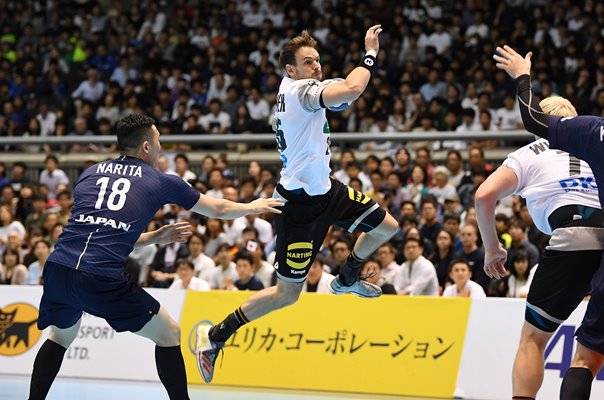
(113,204)
(583,137)
(313,201)
(571,214)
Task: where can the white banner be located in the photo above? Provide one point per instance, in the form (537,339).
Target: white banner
(97,352)
(490,347)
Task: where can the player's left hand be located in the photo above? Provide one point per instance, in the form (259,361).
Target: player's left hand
(177,232)
(512,62)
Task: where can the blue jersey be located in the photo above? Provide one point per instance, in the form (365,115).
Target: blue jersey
(584,138)
(114,201)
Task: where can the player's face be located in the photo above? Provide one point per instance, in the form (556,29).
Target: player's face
(154,147)
(307,64)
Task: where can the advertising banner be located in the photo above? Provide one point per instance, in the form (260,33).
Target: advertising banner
(390,345)
(97,352)
(490,348)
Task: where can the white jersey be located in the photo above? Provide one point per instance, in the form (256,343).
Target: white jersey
(303,136)
(549,179)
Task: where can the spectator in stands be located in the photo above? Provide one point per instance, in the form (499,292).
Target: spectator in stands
(245,271)
(417,275)
(430,225)
(185,270)
(91,89)
(52,175)
(460,273)
(65,201)
(216,236)
(441,188)
(226,270)
(41,250)
(216,121)
(8,224)
(181,162)
(163,267)
(318,279)
(340,249)
(388,267)
(12,271)
(473,254)
(442,257)
(520,243)
(204,266)
(416,188)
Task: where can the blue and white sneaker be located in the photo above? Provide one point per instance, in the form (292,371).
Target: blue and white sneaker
(359,288)
(207,352)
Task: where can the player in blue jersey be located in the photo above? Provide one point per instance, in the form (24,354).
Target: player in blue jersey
(113,204)
(583,137)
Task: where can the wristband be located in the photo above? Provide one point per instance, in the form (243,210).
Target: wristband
(368,62)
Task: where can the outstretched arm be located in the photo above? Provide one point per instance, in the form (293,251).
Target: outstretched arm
(355,83)
(178,232)
(498,185)
(519,68)
(225,209)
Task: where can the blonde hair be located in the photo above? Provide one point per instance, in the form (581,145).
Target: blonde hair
(558,106)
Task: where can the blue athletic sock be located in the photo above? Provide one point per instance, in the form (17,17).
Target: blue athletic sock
(171,370)
(46,367)
(576,384)
(350,270)
(220,333)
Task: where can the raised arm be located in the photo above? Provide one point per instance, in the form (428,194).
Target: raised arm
(355,83)
(519,68)
(226,209)
(177,232)
(498,185)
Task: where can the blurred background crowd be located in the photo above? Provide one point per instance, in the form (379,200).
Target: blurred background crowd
(210,68)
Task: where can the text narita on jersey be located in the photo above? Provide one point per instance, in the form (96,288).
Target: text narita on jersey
(89,219)
(119,169)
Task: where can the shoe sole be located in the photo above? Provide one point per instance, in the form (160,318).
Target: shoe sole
(202,359)
(339,293)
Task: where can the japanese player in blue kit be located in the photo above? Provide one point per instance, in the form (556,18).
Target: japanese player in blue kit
(113,204)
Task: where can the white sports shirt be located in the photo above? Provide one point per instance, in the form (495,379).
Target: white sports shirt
(303,136)
(549,179)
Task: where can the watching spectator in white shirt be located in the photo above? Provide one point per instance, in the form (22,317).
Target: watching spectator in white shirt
(460,273)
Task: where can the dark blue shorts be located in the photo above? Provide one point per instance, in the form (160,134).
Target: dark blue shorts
(69,292)
(591,332)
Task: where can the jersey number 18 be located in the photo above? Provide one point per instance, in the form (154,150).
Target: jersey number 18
(117,197)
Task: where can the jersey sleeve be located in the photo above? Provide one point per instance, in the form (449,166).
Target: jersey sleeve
(309,94)
(514,162)
(581,136)
(175,190)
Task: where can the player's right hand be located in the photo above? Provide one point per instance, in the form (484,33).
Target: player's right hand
(261,206)
(494,263)
(372,40)
(512,62)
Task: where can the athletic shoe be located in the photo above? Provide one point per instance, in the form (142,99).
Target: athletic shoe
(359,288)
(207,352)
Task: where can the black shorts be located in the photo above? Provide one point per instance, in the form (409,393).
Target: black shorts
(305,220)
(560,283)
(563,277)
(591,332)
(69,292)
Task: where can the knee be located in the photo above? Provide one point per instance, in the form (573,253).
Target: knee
(389,227)
(533,337)
(170,336)
(286,299)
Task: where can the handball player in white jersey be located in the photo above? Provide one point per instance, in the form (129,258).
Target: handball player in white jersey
(562,199)
(313,201)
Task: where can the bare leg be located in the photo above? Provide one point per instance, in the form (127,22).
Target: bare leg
(270,299)
(369,242)
(527,374)
(165,332)
(49,359)
(587,358)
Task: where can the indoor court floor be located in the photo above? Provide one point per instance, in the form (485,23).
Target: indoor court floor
(16,388)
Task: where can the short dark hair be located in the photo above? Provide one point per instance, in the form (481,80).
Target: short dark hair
(244,255)
(182,156)
(413,239)
(459,261)
(132,130)
(287,55)
(184,261)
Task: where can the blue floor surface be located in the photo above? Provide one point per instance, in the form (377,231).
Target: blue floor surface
(16,388)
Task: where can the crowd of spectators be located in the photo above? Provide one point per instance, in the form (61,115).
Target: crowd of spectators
(210,67)
(438,244)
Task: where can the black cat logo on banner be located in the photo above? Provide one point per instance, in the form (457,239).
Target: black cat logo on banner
(18,330)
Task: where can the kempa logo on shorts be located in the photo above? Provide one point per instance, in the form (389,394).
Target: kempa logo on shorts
(299,254)
(18,330)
